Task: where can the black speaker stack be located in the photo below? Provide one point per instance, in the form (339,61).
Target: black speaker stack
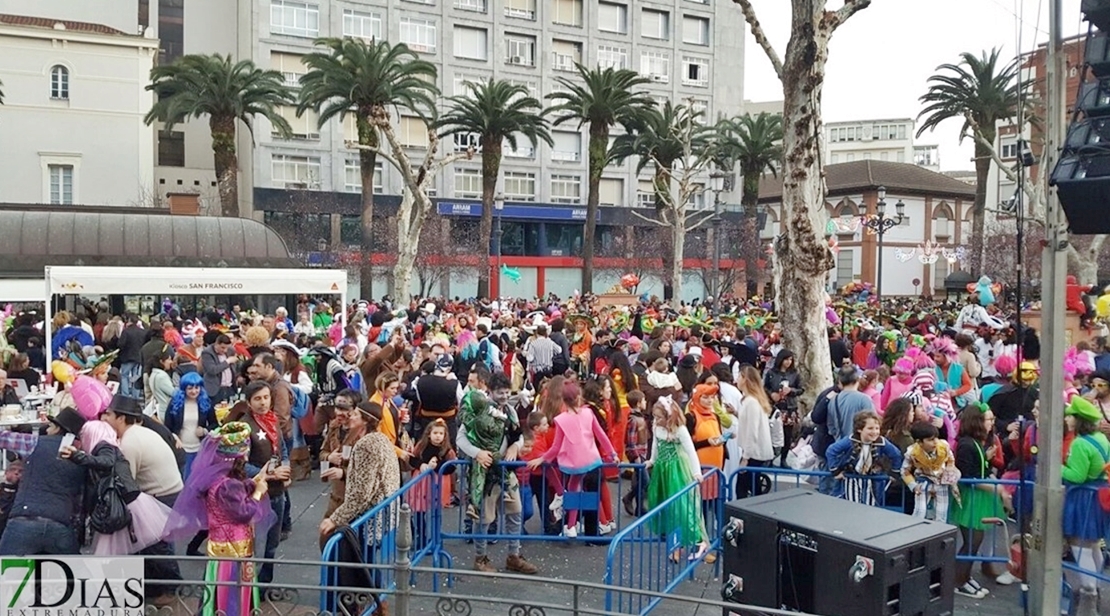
(802,551)
(1082,175)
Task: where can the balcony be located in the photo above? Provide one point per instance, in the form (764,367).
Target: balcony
(564,62)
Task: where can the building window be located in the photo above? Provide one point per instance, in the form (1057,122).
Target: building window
(695,72)
(845,268)
(612,57)
(655,24)
(59,82)
(645,193)
(566,188)
(523,148)
(695,30)
(294,18)
(352,169)
(419,34)
(612,17)
(367,26)
(701,107)
(835,158)
(520,50)
(477,6)
(567,146)
(521,9)
(520,186)
(656,65)
(900,156)
(290,67)
(567,12)
(527,85)
(466,141)
(468,183)
(611,191)
(296,171)
(305,127)
(171,149)
(61,184)
(565,54)
(1009,149)
(940,272)
(696,200)
(888,132)
(413,132)
(463,85)
(470,43)
(884,155)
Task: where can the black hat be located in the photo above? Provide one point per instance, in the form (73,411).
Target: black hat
(69,420)
(125,405)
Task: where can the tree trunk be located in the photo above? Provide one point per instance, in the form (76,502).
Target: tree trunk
(226,162)
(661,184)
(491,169)
(803,259)
(368,159)
(599,149)
(1084,262)
(407,246)
(678,242)
(749,240)
(979,208)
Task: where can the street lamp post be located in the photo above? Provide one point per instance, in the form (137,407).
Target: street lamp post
(499,207)
(880,224)
(716,184)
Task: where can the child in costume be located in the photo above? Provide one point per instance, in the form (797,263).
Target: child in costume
(674,466)
(235,509)
(929,470)
(865,454)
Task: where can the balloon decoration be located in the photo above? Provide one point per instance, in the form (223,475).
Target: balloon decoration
(986,290)
(630,281)
(90,396)
(511,273)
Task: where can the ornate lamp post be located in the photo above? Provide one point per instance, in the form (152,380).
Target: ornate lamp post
(880,224)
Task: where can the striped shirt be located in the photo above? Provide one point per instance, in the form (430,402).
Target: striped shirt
(540,351)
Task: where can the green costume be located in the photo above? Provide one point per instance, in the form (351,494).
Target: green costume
(670,475)
(486,427)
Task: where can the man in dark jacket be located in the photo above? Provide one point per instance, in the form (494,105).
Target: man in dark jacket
(130,344)
(821,439)
(47,513)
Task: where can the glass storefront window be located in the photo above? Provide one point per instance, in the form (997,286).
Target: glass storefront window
(563,240)
(520,239)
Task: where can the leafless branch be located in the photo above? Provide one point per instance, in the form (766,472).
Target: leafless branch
(851,7)
(653,221)
(706,218)
(760,35)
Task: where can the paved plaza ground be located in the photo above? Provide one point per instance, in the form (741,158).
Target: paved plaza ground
(572,562)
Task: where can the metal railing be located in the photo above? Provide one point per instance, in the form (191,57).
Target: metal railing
(657,552)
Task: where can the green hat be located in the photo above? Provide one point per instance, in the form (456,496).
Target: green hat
(1084,409)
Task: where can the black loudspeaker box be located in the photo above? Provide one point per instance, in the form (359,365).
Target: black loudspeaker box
(803,551)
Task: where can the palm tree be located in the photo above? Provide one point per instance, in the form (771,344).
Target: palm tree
(608,97)
(198,85)
(360,78)
(754,143)
(496,111)
(658,141)
(981,93)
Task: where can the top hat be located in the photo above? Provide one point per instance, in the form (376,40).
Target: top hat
(125,405)
(68,420)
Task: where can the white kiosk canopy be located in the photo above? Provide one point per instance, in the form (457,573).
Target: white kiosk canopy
(20,290)
(72,280)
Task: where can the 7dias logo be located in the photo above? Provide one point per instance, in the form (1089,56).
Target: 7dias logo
(71,586)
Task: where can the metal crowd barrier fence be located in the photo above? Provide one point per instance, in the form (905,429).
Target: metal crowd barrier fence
(600,511)
(371,540)
(658,551)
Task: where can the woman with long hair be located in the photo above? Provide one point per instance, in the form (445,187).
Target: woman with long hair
(895,427)
(234,509)
(674,466)
(623,381)
(190,416)
(753,430)
(597,393)
(161,383)
(784,385)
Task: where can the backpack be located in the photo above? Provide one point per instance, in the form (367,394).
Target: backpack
(301,402)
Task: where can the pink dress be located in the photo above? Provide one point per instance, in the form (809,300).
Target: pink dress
(577,437)
(893,389)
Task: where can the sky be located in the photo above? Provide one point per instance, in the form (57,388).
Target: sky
(881,59)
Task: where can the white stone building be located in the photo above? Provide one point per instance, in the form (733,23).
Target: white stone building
(889,140)
(71,127)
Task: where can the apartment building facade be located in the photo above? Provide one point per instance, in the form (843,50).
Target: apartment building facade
(890,140)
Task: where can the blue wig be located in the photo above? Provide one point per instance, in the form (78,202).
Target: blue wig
(177,403)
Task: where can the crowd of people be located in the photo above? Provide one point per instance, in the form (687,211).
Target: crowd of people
(215,413)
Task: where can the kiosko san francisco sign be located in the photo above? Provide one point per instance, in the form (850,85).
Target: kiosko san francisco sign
(71,586)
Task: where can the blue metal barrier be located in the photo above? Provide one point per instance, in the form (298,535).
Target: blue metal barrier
(376,533)
(537,492)
(649,553)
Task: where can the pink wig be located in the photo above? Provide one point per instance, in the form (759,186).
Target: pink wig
(904,365)
(946,347)
(1005,364)
(95,432)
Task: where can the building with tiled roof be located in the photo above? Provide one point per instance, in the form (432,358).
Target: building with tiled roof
(936,222)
